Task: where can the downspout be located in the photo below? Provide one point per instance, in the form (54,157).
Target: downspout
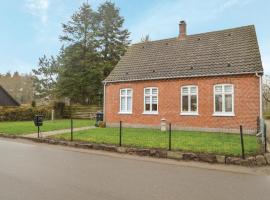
(104,101)
(260,79)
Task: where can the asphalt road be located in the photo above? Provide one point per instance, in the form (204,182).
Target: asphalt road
(30,171)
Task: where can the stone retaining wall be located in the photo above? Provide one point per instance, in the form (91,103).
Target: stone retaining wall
(259,160)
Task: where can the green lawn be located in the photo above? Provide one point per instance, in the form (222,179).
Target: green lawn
(26,127)
(219,143)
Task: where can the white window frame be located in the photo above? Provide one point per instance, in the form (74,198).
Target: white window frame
(126,97)
(223,112)
(189,112)
(151,112)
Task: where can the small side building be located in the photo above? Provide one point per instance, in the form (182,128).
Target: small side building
(6,99)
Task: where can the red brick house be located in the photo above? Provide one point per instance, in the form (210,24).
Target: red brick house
(209,81)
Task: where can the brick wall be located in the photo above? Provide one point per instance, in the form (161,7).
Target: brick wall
(246,103)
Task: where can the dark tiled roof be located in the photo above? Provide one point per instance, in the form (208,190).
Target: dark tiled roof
(231,51)
(6,99)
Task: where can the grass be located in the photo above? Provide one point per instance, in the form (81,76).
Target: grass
(26,127)
(218,143)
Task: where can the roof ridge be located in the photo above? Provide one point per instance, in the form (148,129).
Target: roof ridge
(160,40)
(223,30)
(196,34)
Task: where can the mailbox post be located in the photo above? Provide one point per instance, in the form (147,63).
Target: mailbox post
(38,120)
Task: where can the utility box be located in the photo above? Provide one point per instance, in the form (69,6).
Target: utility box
(99,118)
(38,120)
(163,125)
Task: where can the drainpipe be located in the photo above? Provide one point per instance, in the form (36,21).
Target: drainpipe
(260,79)
(104,101)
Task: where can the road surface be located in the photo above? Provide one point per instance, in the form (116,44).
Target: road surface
(31,171)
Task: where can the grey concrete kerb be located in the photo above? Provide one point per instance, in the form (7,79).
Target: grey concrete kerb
(56,132)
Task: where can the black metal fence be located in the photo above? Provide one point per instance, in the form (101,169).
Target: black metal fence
(264,138)
(223,143)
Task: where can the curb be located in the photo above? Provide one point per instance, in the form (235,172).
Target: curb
(252,161)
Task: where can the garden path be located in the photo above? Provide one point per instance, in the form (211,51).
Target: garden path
(50,133)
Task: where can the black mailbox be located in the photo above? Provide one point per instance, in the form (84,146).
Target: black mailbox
(38,120)
(99,118)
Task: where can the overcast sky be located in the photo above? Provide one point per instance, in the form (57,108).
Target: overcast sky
(31,28)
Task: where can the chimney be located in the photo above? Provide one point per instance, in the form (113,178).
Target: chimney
(182,29)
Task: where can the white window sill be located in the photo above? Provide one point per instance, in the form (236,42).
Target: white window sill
(189,113)
(224,114)
(125,113)
(150,113)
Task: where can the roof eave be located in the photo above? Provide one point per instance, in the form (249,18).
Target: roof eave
(193,76)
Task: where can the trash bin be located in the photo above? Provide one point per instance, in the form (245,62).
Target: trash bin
(38,120)
(99,118)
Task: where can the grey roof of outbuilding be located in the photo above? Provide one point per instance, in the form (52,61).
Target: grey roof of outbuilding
(6,99)
(225,52)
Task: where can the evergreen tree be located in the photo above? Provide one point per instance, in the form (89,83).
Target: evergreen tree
(45,77)
(79,75)
(16,74)
(93,43)
(8,74)
(113,38)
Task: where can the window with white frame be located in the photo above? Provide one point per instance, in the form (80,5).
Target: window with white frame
(151,100)
(189,100)
(224,100)
(126,100)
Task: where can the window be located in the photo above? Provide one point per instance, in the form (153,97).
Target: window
(150,100)
(126,101)
(189,100)
(224,100)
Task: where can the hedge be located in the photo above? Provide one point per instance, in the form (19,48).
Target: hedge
(23,113)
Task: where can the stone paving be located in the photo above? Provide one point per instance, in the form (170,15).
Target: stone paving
(50,133)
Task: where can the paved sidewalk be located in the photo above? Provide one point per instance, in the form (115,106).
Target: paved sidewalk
(50,133)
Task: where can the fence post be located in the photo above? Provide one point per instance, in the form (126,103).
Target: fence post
(38,131)
(120,134)
(242,141)
(258,125)
(170,136)
(71,129)
(265,138)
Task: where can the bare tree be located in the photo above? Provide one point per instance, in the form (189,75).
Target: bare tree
(145,38)
(266,88)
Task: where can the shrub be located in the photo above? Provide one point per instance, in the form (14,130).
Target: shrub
(23,113)
(59,109)
(266,116)
(102,124)
(33,104)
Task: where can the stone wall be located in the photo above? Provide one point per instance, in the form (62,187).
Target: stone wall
(251,161)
